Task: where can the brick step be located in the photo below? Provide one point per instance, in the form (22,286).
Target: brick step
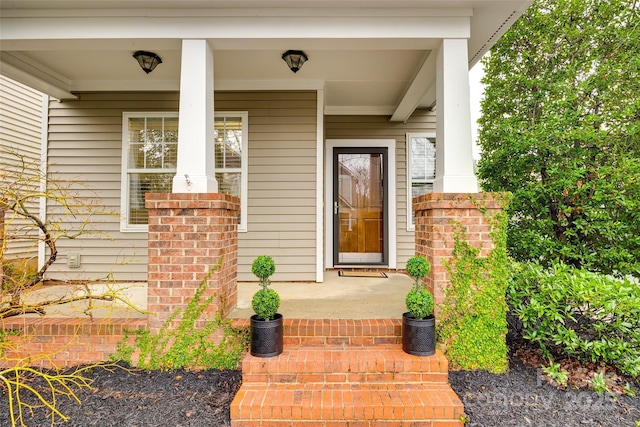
(338,364)
(351,332)
(344,373)
(346,404)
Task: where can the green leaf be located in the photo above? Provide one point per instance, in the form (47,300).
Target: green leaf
(560,130)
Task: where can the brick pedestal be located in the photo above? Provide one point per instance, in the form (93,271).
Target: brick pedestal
(188,235)
(436,214)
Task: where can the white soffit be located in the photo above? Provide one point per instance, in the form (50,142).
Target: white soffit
(369,55)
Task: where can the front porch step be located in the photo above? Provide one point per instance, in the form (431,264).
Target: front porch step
(336,372)
(346,404)
(328,332)
(345,364)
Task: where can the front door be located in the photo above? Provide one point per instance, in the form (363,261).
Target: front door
(360,206)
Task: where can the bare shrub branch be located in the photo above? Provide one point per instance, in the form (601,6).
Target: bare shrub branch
(71,214)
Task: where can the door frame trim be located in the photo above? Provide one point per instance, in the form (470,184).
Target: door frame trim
(384,152)
(391,225)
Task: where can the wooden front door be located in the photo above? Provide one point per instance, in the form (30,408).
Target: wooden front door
(359,206)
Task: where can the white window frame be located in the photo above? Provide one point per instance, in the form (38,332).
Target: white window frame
(431,135)
(244,165)
(125,226)
(124,187)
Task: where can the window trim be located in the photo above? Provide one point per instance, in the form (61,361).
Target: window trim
(124,177)
(124,187)
(244,165)
(431,135)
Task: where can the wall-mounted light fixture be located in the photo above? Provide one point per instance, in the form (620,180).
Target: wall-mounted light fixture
(295,59)
(147,60)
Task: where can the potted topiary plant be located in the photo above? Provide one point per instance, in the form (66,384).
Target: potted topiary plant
(419,323)
(266,324)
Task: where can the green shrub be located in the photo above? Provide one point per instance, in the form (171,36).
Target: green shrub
(556,373)
(419,303)
(588,316)
(263,267)
(418,267)
(216,345)
(265,303)
(598,384)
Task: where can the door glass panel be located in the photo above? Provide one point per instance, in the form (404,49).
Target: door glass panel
(360,208)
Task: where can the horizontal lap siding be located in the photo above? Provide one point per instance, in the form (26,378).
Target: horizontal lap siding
(379,127)
(282,181)
(21,131)
(85,145)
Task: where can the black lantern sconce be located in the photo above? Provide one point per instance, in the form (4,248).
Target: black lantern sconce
(148,60)
(295,59)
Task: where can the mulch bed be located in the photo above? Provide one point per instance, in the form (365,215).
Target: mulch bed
(130,397)
(523,397)
(134,398)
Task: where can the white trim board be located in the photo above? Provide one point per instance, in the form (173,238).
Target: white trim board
(319,184)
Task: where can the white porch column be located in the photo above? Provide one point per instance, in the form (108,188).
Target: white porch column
(454,153)
(195,171)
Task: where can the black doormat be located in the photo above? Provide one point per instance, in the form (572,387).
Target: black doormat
(362,274)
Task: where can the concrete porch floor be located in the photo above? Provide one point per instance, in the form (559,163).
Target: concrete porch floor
(335,298)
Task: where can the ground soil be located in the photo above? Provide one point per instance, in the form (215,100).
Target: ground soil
(134,398)
(522,397)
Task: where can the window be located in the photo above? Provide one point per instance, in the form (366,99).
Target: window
(231,158)
(150,151)
(421,169)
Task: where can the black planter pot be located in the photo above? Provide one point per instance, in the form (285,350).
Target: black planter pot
(266,336)
(418,336)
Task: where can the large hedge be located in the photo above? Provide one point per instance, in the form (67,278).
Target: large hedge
(585,315)
(560,129)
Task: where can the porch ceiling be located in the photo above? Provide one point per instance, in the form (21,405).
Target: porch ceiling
(370,57)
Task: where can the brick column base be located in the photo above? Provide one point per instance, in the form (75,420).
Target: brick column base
(188,235)
(436,214)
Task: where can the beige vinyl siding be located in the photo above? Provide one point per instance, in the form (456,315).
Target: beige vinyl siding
(21,118)
(282,181)
(85,144)
(379,127)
